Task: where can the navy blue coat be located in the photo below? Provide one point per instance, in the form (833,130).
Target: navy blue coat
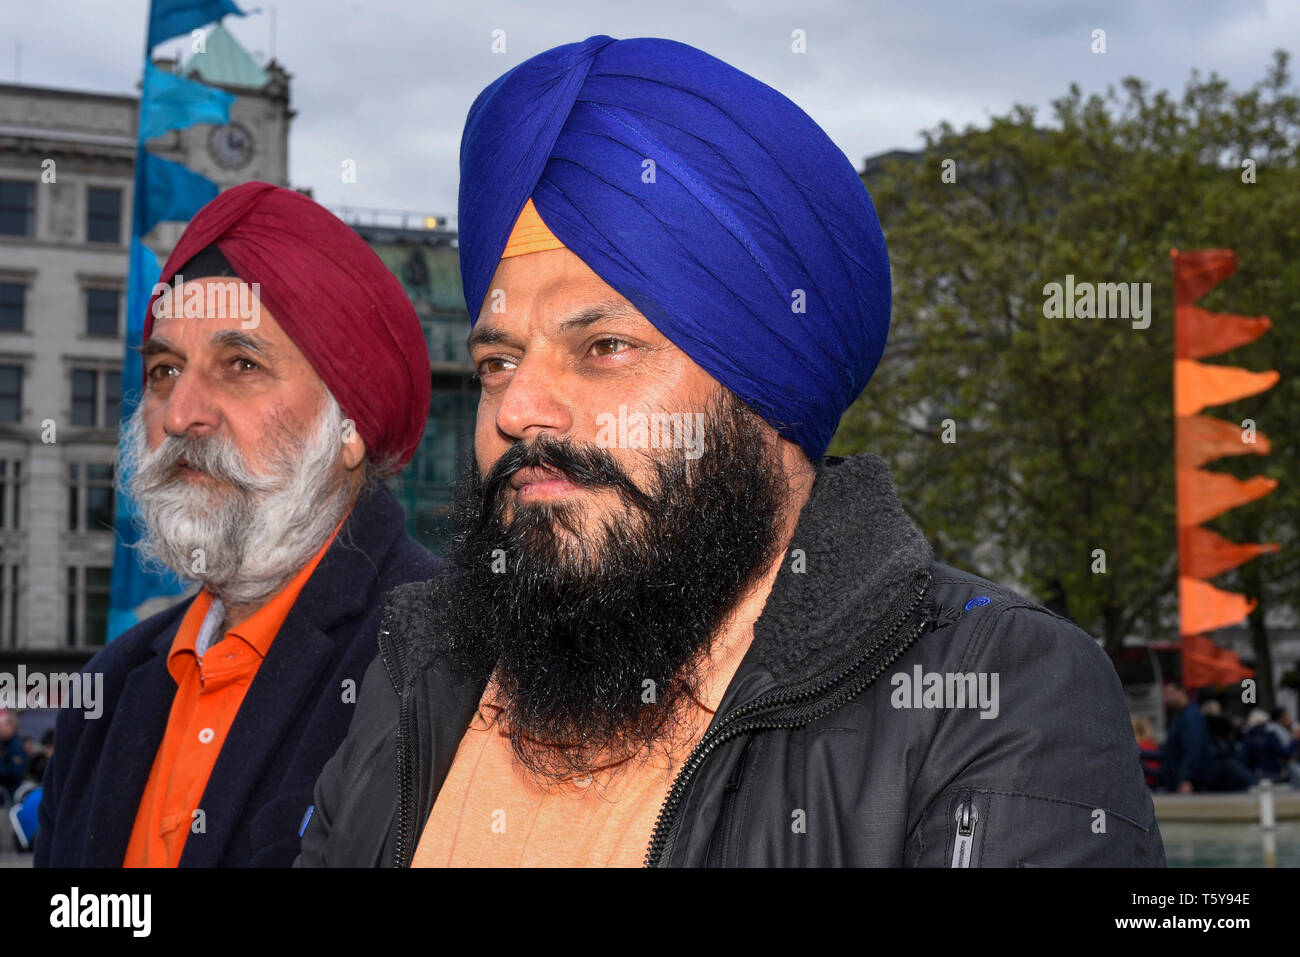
(1187,748)
(294,716)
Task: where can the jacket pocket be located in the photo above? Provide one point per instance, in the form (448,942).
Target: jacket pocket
(990,827)
(720,842)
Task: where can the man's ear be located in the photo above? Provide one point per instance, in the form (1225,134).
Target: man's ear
(354,446)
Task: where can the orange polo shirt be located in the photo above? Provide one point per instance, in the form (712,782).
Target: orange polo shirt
(491,813)
(209,691)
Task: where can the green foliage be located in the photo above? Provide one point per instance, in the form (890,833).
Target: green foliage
(1064,428)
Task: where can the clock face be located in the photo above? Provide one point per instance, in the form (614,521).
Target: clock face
(231,147)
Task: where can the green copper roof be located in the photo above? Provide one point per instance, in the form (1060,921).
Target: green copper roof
(224,62)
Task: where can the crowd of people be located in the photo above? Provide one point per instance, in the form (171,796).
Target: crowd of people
(23,760)
(1208,749)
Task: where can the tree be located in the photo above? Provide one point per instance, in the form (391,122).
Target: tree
(1037,448)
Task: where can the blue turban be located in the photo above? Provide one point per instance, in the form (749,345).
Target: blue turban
(750,243)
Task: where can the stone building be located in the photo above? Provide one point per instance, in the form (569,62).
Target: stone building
(422,254)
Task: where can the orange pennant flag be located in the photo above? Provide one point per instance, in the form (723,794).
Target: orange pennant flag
(1203,333)
(1202,495)
(1201,438)
(1197,385)
(1204,554)
(1205,663)
(1202,607)
(1199,271)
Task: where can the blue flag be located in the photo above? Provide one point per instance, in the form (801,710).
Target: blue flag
(173,102)
(171,191)
(133,584)
(163,191)
(169,18)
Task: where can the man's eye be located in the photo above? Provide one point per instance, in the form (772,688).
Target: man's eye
(161,370)
(493,364)
(608,347)
(243,364)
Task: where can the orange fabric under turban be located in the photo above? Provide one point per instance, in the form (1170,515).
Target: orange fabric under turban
(530,234)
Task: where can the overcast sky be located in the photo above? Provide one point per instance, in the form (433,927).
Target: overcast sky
(388,83)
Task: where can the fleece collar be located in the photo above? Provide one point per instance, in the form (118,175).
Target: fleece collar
(854,558)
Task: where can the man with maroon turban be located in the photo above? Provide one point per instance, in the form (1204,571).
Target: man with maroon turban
(285,377)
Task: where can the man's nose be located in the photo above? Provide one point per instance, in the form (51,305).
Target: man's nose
(190,409)
(534,401)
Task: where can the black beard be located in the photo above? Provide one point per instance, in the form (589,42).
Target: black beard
(595,630)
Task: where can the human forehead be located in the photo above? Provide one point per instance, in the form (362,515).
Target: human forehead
(201,309)
(542,277)
(554,292)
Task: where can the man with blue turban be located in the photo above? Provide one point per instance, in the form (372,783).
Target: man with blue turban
(676,632)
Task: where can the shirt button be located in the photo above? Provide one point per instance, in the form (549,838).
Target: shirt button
(206,735)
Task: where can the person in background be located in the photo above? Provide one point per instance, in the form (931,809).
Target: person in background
(1279,725)
(1293,761)
(41,757)
(1262,752)
(1148,749)
(1191,761)
(13,756)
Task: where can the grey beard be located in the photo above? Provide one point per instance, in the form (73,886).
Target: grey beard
(247,538)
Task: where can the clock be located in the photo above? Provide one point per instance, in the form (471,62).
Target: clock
(231,146)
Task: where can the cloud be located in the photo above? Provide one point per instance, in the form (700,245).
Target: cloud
(388,84)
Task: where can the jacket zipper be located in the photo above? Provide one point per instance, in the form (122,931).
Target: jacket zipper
(395,665)
(967,818)
(728,728)
(717,855)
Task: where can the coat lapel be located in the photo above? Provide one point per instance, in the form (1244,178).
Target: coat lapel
(127,752)
(298,658)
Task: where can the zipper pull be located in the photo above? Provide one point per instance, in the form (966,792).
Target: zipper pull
(967,817)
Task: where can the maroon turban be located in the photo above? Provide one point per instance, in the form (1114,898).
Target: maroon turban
(333,297)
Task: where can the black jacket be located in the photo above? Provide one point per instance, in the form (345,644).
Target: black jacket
(292,719)
(811,759)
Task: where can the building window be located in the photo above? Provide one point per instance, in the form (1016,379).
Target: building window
(11,393)
(13,296)
(85,401)
(9,606)
(112,399)
(17,208)
(90,497)
(104,215)
(11,475)
(88,594)
(102,311)
(96,397)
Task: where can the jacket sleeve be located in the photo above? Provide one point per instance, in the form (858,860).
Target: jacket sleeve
(350,765)
(1050,774)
